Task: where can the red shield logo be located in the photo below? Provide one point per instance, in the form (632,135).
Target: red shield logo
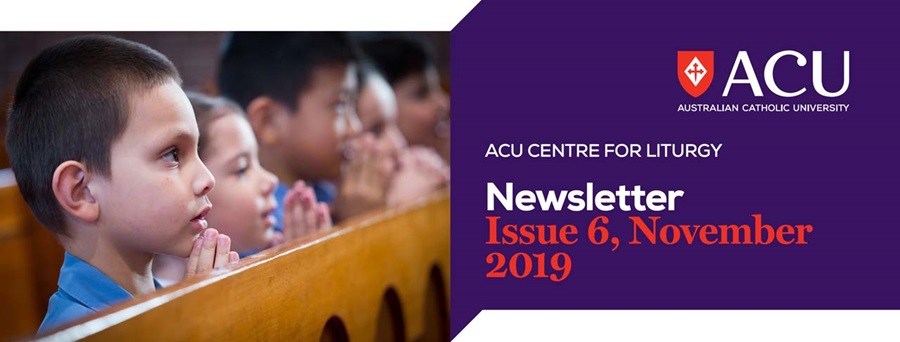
(695,71)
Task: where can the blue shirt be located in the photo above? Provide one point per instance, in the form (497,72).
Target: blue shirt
(83,290)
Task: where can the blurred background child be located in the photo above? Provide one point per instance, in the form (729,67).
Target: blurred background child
(418,170)
(407,62)
(300,91)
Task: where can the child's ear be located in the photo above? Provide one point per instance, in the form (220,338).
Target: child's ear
(267,117)
(70,187)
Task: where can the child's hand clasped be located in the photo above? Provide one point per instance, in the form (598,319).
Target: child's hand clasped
(210,251)
(303,214)
(367,177)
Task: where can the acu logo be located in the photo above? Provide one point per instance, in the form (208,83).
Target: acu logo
(695,71)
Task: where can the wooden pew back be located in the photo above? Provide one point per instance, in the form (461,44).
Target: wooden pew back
(17,289)
(381,277)
(30,259)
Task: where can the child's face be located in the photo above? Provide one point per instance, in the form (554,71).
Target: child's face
(423,109)
(323,122)
(244,195)
(155,197)
(377,109)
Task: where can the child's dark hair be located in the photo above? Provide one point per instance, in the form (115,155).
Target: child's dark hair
(207,109)
(278,65)
(71,103)
(397,55)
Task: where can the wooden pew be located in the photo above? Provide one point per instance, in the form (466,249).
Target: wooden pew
(17,288)
(30,259)
(4,157)
(382,277)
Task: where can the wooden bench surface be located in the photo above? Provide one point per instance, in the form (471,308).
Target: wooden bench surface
(339,278)
(29,263)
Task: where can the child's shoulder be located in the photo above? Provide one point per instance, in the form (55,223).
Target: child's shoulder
(83,289)
(62,309)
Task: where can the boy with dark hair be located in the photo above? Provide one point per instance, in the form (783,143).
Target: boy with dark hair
(408,64)
(103,144)
(420,170)
(299,90)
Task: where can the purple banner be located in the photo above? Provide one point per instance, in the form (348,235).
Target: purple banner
(787,119)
